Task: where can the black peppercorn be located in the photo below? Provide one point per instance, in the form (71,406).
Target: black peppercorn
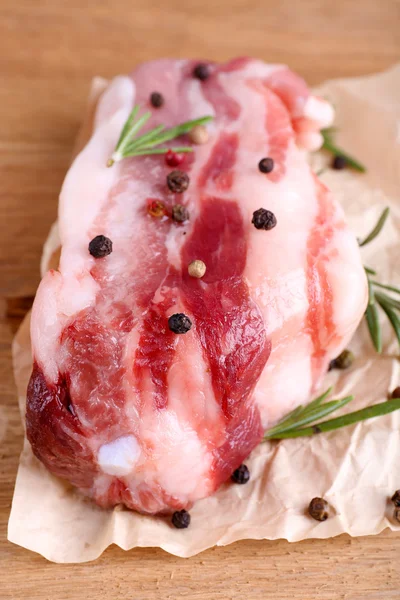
(201,71)
(181,519)
(100,246)
(343,361)
(339,163)
(264,219)
(179,323)
(396,498)
(241,475)
(178,181)
(266,165)
(180,213)
(318,509)
(156,99)
(396,394)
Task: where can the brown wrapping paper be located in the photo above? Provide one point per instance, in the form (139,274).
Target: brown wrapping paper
(356,469)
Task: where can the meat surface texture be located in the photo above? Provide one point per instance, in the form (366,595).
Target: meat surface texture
(118,404)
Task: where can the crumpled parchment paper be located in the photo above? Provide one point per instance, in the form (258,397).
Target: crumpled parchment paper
(356,469)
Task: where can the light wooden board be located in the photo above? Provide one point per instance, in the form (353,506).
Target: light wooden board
(50,50)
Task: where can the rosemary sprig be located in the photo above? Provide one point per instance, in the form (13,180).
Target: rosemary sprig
(330,146)
(129,144)
(389,305)
(292,426)
(377,229)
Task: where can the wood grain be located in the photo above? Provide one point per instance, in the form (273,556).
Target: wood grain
(49,53)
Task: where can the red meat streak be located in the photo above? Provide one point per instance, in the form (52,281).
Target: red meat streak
(320,324)
(278,127)
(49,423)
(291,89)
(229,325)
(319,320)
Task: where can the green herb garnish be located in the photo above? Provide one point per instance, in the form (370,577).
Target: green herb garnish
(129,144)
(330,146)
(377,229)
(293,425)
(389,305)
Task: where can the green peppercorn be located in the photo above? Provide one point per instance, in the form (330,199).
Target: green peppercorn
(343,361)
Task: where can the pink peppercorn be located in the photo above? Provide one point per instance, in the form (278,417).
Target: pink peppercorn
(173,159)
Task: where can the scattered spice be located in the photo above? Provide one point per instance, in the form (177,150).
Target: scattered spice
(396,498)
(197,269)
(181,519)
(241,475)
(396,514)
(318,509)
(343,361)
(156,209)
(173,159)
(396,394)
(266,165)
(156,99)
(201,71)
(180,213)
(339,162)
(100,246)
(179,323)
(178,181)
(199,135)
(264,219)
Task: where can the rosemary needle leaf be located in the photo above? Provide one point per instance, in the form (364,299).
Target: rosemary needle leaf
(127,125)
(369,271)
(170,134)
(329,145)
(133,129)
(392,316)
(374,326)
(319,400)
(119,152)
(371,293)
(299,413)
(146,151)
(147,137)
(288,420)
(376,410)
(387,300)
(377,229)
(391,288)
(322,411)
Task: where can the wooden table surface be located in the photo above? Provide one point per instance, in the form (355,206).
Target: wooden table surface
(50,50)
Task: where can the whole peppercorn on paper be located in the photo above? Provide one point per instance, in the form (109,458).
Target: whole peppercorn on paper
(356,469)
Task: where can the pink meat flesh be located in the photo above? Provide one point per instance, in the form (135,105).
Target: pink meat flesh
(119,405)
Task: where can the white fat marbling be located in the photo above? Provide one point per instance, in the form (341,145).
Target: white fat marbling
(320,111)
(119,456)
